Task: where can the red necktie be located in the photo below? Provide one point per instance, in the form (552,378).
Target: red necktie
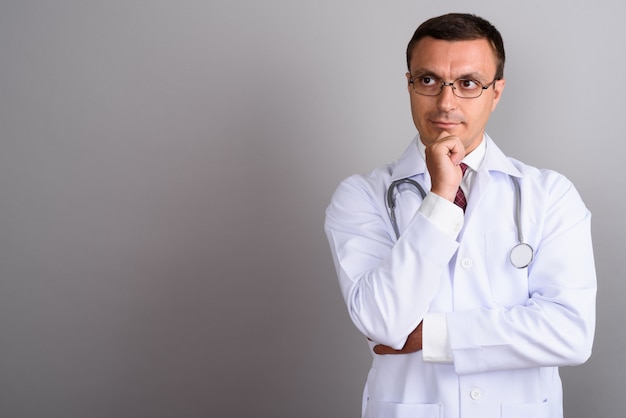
(459,200)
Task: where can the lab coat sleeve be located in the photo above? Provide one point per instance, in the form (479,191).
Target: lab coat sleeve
(555,327)
(387,285)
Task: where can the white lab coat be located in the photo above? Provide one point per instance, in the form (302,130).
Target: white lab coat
(509,329)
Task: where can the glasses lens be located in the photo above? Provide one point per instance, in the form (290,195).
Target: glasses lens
(467,89)
(427,86)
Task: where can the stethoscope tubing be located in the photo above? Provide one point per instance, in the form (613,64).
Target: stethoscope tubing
(521,254)
(391,203)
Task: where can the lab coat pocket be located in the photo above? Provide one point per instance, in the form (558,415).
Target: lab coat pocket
(537,410)
(379,409)
(509,284)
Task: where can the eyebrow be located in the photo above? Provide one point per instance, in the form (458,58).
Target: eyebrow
(467,76)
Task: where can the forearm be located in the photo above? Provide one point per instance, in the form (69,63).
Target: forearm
(523,337)
(555,327)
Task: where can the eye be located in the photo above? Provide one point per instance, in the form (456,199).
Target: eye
(467,84)
(427,81)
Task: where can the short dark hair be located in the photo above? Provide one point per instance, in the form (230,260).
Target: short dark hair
(460,27)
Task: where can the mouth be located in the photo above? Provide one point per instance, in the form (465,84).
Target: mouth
(444,124)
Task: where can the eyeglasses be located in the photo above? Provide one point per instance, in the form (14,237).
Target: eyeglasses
(463,88)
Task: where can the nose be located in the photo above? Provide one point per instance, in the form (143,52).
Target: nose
(446,100)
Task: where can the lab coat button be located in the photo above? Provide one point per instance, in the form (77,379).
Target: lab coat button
(466,262)
(476,394)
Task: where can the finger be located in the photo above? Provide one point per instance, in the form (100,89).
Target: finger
(384,349)
(454,147)
(443,135)
(450,145)
(457,153)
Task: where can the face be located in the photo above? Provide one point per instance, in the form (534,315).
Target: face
(449,61)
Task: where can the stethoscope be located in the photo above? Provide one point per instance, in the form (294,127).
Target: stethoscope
(521,254)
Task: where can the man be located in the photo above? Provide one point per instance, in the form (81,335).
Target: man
(462,320)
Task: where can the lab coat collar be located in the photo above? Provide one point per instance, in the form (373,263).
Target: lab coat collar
(412,163)
(496,160)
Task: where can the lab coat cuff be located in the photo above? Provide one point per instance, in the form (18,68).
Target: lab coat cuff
(444,214)
(435,341)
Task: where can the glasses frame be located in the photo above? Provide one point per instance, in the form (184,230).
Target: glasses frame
(483,87)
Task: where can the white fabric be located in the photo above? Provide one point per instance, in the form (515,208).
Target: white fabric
(449,218)
(508,329)
(436,344)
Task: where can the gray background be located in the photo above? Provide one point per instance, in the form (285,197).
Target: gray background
(164,170)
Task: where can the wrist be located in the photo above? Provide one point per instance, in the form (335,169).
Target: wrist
(445,193)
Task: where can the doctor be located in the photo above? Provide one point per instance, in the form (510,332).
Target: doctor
(456,325)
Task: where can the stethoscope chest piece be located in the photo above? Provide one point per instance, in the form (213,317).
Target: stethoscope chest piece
(521,255)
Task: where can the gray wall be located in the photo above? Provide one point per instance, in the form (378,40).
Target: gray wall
(165,166)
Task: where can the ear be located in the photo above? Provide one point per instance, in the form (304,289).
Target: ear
(498,89)
(408,82)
